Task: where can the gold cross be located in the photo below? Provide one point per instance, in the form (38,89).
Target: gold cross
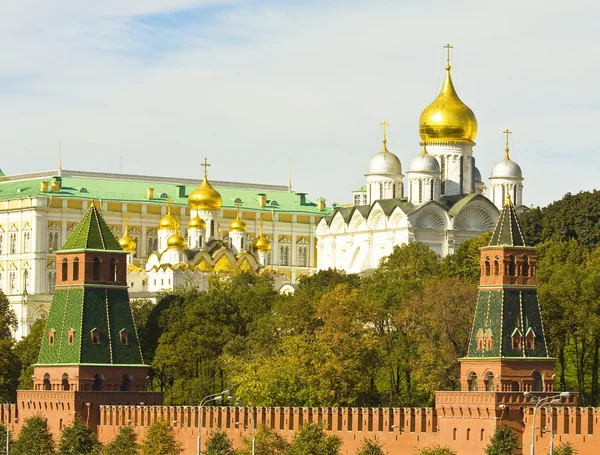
(205,165)
(448,47)
(506,132)
(385,125)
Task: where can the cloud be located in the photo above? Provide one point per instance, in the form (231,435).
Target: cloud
(250,84)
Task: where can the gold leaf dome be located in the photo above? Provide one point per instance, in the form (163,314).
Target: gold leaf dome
(169,222)
(196,223)
(261,244)
(205,197)
(237,225)
(448,119)
(127,243)
(175,242)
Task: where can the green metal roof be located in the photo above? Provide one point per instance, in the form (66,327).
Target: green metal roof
(132,188)
(508,231)
(92,233)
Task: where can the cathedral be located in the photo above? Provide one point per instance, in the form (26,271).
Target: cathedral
(442,204)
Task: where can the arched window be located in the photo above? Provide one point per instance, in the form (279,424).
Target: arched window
(512,265)
(97,385)
(487,266)
(472,382)
(75,269)
(65,381)
(113,269)
(124,336)
(525,267)
(70,336)
(125,383)
(47,385)
(496,266)
(51,336)
(96,271)
(489,381)
(95,336)
(65,270)
(482,434)
(537,381)
(514,387)
(454,434)
(468,434)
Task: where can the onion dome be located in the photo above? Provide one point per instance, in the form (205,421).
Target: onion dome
(385,162)
(196,223)
(261,244)
(424,163)
(169,222)
(448,119)
(127,243)
(175,242)
(237,225)
(205,197)
(477,175)
(507,168)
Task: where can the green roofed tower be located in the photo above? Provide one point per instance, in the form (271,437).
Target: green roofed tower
(91,342)
(507,347)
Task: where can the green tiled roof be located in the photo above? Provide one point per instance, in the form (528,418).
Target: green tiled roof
(132,188)
(508,231)
(83,310)
(92,233)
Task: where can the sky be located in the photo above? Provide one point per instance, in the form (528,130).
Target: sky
(154,86)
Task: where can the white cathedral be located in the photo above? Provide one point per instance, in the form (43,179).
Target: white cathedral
(443,204)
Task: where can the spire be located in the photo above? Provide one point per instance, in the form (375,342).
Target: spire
(93,233)
(59,158)
(508,230)
(385,125)
(290,179)
(506,149)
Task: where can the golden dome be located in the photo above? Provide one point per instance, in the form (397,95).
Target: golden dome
(175,242)
(205,197)
(448,118)
(196,223)
(261,244)
(237,225)
(127,243)
(169,222)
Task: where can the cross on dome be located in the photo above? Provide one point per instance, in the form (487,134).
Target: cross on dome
(507,132)
(448,47)
(205,165)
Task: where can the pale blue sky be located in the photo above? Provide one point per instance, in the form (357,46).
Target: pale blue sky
(250,84)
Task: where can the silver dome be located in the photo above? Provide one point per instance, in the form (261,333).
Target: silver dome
(424,163)
(385,163)
(506,169)
(477,175)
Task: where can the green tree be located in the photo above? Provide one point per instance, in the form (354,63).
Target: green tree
(124,443)
(28,351)
(565,448)
(160,440)
(504,441)
(311,439)
(77,438)
(34,438)
(371,447)
(437,450)
(3,438)
(219,443)
(10,365)
(465,262)
(267,442)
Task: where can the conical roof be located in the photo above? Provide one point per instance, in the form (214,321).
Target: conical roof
(508,230)
(92,233)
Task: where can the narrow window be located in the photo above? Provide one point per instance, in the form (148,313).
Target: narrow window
(443,175)
(487,266)
(472,382)
(47,385)
(75,269)
(537,381)
(124,336)
(113,269)
(65,382)
(71,336)
(51,334)
(512,265)
(95,336)
(525,267)
(461,174)
(420,191)
(96,271)
(65,270)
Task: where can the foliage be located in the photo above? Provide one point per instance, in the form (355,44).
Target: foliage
(464,263)
(218,443)
(160,440)
(503,442)
(267,442)
(124,443)
(28,351)
(34,438)
(371,447)
(77,438)
(311,439)
(437,450)
(565,448)
(9,362)
(3,439)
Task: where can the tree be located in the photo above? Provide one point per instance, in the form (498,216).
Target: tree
(124,443)
(34,438)
(311,439)
(28,351)
(77,438)
(3,438)
(219,443)
(565,448)
(437,450)
(503,442)
(267,442)
(9,362)
(160,440)
(465,262)
(371,447)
